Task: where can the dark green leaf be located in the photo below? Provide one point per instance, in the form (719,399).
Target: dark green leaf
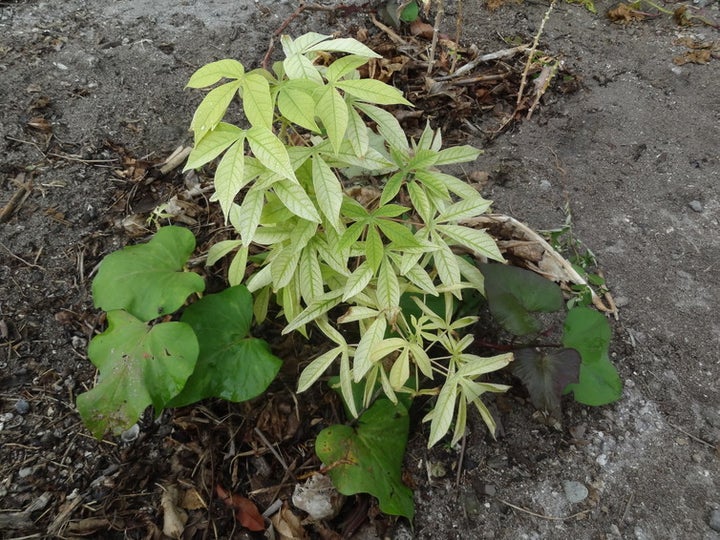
(514,293)
(230,365)
(545,373)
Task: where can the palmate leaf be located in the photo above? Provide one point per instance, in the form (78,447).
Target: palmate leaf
(147,280)
(213,144)
(257,101)
(270,151)
(139,366)
(212,108)
(299,67)
(333,113)
(328,191)
(368,458)
(230,176)
(362,362)
(314,370)
(231,365)
(296,104)
(357,132)
(342,66)
(373,91)
(457,154)
(317,308)
(211,73)
(387,125)
(477,240)
(345,45)
(296,199)
(245,218)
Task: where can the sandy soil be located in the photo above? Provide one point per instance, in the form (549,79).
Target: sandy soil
(91,95)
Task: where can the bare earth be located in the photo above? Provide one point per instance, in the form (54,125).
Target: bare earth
(634,155)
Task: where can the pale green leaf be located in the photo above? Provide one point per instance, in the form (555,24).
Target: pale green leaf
(423,159)
(421,359)
(236,272)
(374,249)
(434,185)
(328,191)
(460,422)
(420,201)
(314,370)
(442,413)
(357,313)
(392,187)
(270,151)
(363,354)
(388,288)
(357,132)
(346,45)
(421,279)
(478,240)
(400,370)
(230,176)
(333,113)
(400,235)
(357,281)
(475,365)
(297,106)
(257,101)
(471,273)
(211,73)
(218,250)
(301,43)
(309,275)
(387,124)
(317,308)
(213,144)
(342,66)
(457,154)
(261,278)
(298,66)
(426,138)
(283,265)
(212,108)
(246,217)
(457,186)
(464,209)
(346,387)
(289,297)
(388,346)
(295,199)
(446,264)
(373,91)
(330,332)
(261,304)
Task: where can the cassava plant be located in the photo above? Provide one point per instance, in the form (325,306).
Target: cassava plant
(325,246)
(343,226)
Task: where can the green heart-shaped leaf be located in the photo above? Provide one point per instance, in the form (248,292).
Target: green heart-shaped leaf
(139,366)
(230,365)
(587,331)
(146,280)
(513,294)
(368,458)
